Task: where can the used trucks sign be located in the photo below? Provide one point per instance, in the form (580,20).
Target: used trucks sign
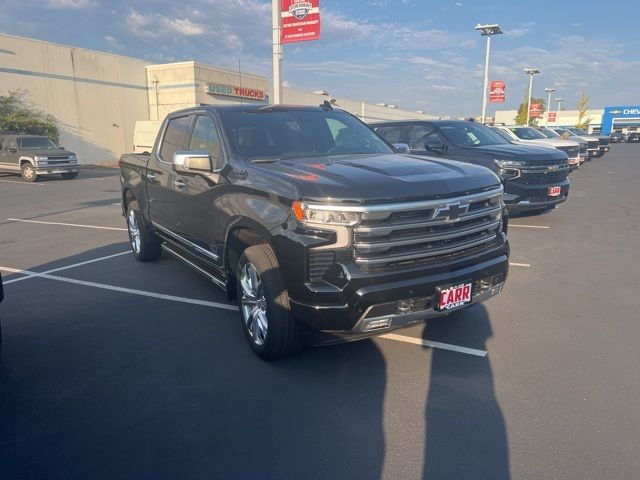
(231,91)
(300,20)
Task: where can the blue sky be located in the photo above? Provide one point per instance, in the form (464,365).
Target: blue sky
(419,54)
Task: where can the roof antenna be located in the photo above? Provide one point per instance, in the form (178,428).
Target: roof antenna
(326,105)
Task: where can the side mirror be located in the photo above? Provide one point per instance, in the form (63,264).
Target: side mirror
(13,150)
(192,161)
(401,148)
(439,148)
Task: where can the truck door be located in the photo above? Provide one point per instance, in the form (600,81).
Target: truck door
(197,193)
(9,154)
(161,176)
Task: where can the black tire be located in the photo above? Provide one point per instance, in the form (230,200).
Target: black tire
(69,175)
(281,333)
(145,244)
(28,172)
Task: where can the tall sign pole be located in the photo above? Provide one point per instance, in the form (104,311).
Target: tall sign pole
(277,52)
(485,85)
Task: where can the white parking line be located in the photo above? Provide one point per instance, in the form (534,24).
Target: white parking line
(69,266)
(526,265)
(430,344)
(23,183)
(67,224)
(528,226)
(132,291)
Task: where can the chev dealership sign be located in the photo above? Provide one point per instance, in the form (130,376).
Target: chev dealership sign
(300,20)
(231,91)
(613,113)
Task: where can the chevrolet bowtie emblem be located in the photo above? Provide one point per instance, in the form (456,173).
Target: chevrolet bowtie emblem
(615,112)
(450,212)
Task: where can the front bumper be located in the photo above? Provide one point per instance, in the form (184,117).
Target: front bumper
(53,169)
(373,304)
(520,197)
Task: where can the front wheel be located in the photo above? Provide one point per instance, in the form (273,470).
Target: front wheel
(144,242)
(69,175)
(28,172)
(270,328)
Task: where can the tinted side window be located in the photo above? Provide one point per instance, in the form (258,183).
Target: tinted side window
(10,143)
(205,137)
(174,137)
(424,136)
(391,134)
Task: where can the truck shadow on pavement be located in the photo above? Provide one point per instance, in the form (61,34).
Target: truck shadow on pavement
(465,429)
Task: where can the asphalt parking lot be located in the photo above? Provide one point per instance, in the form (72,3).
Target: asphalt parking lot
(112,368)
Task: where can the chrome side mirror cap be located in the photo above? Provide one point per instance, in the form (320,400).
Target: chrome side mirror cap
(401,148)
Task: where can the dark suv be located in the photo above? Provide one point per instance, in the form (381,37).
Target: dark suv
(33,156)
(535,178)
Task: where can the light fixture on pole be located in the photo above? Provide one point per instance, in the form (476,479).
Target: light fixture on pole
(531,72)
(559,100)
(277,52)
(549,91)
(487,31)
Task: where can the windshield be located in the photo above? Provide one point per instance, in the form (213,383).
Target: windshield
(36,143)
(273,134)
(563,132)
(468,134)
(527,133)
(577,131)
(547,132)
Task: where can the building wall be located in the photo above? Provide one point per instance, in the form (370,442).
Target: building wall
(96,97)
(564,118)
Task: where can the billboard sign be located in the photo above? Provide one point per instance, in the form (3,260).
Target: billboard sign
(496,92)
(300,20)
(231,91)
(552,117)
(536,110)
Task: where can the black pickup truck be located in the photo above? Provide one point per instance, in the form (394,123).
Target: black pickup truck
(314,223)
(535,178)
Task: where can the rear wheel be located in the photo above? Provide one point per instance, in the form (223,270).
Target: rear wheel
(28,172)
(145,244)
(270,328)
(69,175)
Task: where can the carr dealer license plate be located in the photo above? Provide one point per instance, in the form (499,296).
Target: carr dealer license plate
(453,297)
(554,191)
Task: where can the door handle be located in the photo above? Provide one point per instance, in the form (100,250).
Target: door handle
(179,184)
(151,177)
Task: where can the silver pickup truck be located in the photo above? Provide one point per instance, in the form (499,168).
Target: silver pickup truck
(32,156)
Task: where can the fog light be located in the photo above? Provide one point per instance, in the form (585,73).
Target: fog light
(378,324)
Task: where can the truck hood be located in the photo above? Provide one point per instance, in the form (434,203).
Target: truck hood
(555,142)
(518,152)
(51,152)
(381,177)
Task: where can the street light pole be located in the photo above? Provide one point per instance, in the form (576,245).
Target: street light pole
(559,100)
(487,31)
(531,72)
(277,52)
(549,91)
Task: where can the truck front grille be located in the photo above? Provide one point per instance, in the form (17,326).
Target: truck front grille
(539,178)
(572,152)
(583,148)
(408,237)
(593,144)
(604,142)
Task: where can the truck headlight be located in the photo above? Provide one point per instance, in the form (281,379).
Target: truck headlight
(319,215)
(73,159)
(39,159)
(508,164)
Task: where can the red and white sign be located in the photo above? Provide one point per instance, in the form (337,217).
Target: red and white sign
(536,110)
(552,116)
(496,92)
(231,91)
(300,20)
(554,191)
(453,297)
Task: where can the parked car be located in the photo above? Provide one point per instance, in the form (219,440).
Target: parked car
(593,144)
(633,137)
(1,299)
(314,223)
(33,156)
(530,135)
(535,178)
(584,152)
(604,143)
(615,137)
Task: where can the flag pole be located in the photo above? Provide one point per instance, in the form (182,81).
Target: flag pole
(277,52)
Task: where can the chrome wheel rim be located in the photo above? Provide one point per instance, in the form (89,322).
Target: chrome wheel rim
(134,231)
(28,171)
(253,304)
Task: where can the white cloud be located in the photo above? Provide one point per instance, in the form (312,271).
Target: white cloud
(71,4)
(112,42)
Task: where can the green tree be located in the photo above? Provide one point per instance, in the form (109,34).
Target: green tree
(583,106)
(521,116)
(18,115)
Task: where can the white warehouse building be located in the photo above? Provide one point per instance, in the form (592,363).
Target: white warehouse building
(97,98)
